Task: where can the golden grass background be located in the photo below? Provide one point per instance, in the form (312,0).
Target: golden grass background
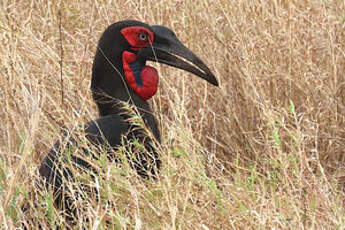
(265,150)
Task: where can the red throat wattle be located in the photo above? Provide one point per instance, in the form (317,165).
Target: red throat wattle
(148,75)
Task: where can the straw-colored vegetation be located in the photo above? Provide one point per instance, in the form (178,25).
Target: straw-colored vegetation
(265,150)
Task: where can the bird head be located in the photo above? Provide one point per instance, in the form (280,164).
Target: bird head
(121,57)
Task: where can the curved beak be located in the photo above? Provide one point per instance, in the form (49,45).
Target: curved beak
(169,50)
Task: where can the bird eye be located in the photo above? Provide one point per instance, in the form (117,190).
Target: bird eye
(143,36)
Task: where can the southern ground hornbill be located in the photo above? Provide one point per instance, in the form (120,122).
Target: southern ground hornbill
(120,75)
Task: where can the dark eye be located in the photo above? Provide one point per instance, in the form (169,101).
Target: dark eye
(143,36)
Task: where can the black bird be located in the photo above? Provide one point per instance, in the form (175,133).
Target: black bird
(120,74)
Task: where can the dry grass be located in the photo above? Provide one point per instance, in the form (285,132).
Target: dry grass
(263,151)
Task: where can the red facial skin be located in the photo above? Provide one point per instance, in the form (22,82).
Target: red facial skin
(138,38)
(149,77)
(132,35)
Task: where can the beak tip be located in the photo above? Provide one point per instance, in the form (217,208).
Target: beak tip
(215,83)
(213,80)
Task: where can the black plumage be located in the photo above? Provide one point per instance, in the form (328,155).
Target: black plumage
(112,88)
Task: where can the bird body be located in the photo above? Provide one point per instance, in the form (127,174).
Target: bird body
(120,75)
(106,129)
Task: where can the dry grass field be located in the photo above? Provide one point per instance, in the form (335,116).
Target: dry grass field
(265,150)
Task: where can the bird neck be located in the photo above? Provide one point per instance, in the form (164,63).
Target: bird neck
(117,107)
(110,91)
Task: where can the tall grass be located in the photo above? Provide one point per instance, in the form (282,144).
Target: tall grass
(265,150)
